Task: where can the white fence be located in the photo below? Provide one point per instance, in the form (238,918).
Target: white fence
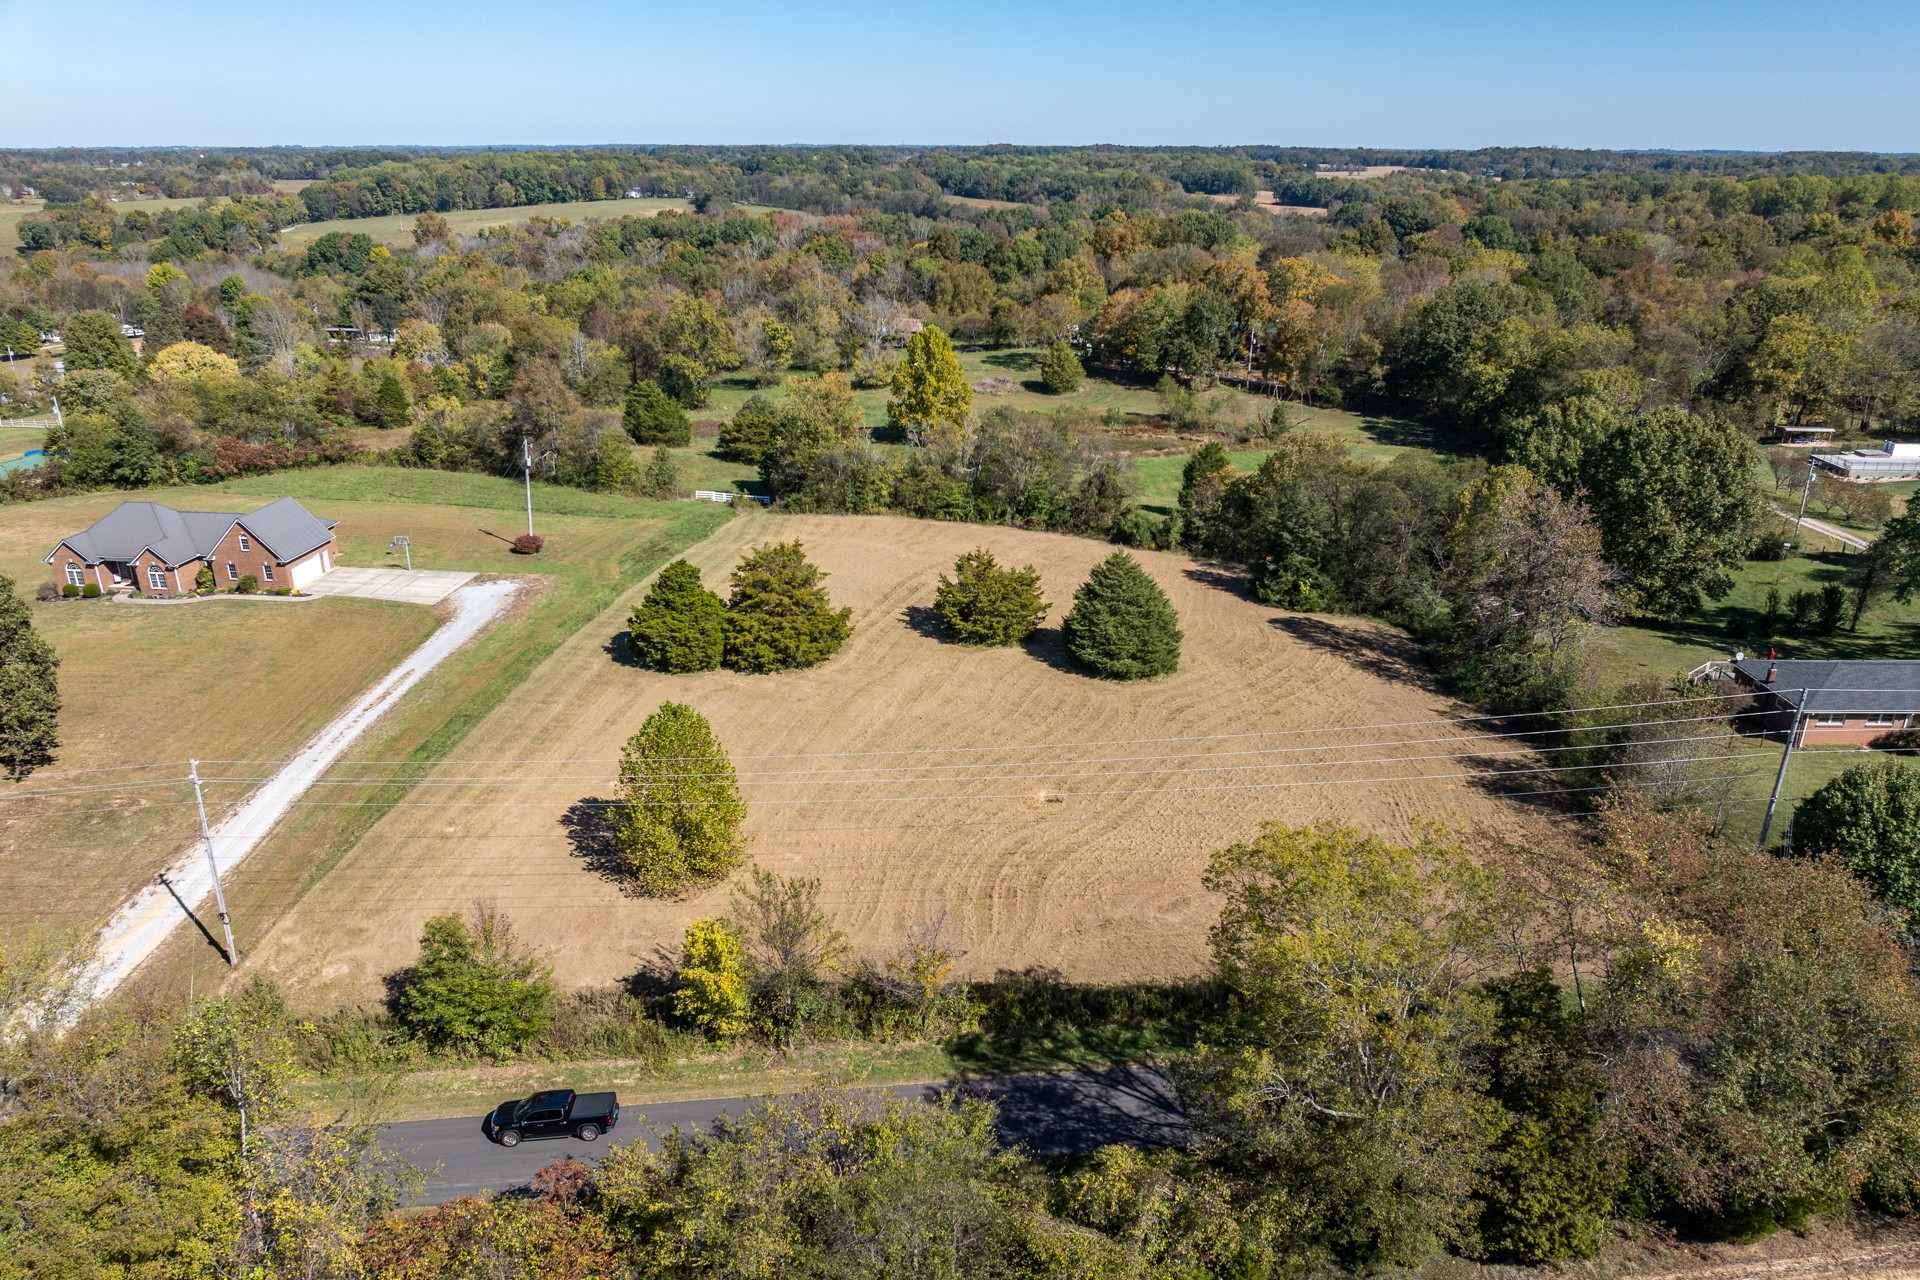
(715,495)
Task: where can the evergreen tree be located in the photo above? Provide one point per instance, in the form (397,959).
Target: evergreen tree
(94,341)
(1060,369)
(29,689)
(680,815)
(392,403)
(1549,1189)
(651,416)
(986,604)
(1122,626)
(779,617)
(680,626)
(929,386)
(744,436)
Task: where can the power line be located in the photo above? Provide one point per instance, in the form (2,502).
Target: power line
(1094,742)
(1011,777)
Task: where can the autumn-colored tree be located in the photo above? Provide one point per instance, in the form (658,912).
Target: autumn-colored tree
(929,386)
(1344,1080)
(430,227)
(711,981)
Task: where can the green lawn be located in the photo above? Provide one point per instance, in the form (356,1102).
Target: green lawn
(15,441)
(1663,649)
(1129,413)
(599,545)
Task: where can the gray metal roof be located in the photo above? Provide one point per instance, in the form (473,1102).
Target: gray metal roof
(283,527)
(1884,684)
(287,529)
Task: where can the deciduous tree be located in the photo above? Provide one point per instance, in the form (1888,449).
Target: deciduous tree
(1344,1084)
(711,981)
(680,808)
(929,386)
(29,689)
(475,985)
(1870,816)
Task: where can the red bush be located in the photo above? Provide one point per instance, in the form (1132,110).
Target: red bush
(528,544)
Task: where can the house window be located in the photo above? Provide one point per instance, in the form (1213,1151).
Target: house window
(74,575)
(1829,718)
(244,544)
(1882,720)
(156,578)
(233,572)
(267,571)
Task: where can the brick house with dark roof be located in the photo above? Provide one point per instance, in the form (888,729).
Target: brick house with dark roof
(159,551)
(1838,703)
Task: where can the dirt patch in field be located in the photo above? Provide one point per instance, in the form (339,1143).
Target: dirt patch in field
(1060,820)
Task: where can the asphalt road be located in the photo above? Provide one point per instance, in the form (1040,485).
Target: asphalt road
(1068,1113)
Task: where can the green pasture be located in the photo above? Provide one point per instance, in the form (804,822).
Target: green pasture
(396,230)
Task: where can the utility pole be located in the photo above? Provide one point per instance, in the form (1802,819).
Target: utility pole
(57,419)
(206,838)
(1780,778)
(1805,489)
(526,463)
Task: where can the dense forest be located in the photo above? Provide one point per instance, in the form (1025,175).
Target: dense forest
(1619,335)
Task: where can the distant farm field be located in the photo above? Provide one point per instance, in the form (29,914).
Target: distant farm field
(1060,820)
(12,212)
(396,230)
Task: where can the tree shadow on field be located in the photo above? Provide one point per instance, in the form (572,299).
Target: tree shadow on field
(592,828)
(1049,645)
(657,977)
(619,647)
(1375,650)
(1011,360)
(924,619)
(1221,577)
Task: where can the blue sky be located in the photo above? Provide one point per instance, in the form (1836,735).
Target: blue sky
(1761,75)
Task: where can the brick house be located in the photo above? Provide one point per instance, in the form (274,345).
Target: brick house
(159,551)
(1851,703)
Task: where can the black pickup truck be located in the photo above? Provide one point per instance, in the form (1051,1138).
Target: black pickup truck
(557,1113)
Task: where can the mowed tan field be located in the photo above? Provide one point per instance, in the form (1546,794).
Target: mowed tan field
(1082,857)
(154,684)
